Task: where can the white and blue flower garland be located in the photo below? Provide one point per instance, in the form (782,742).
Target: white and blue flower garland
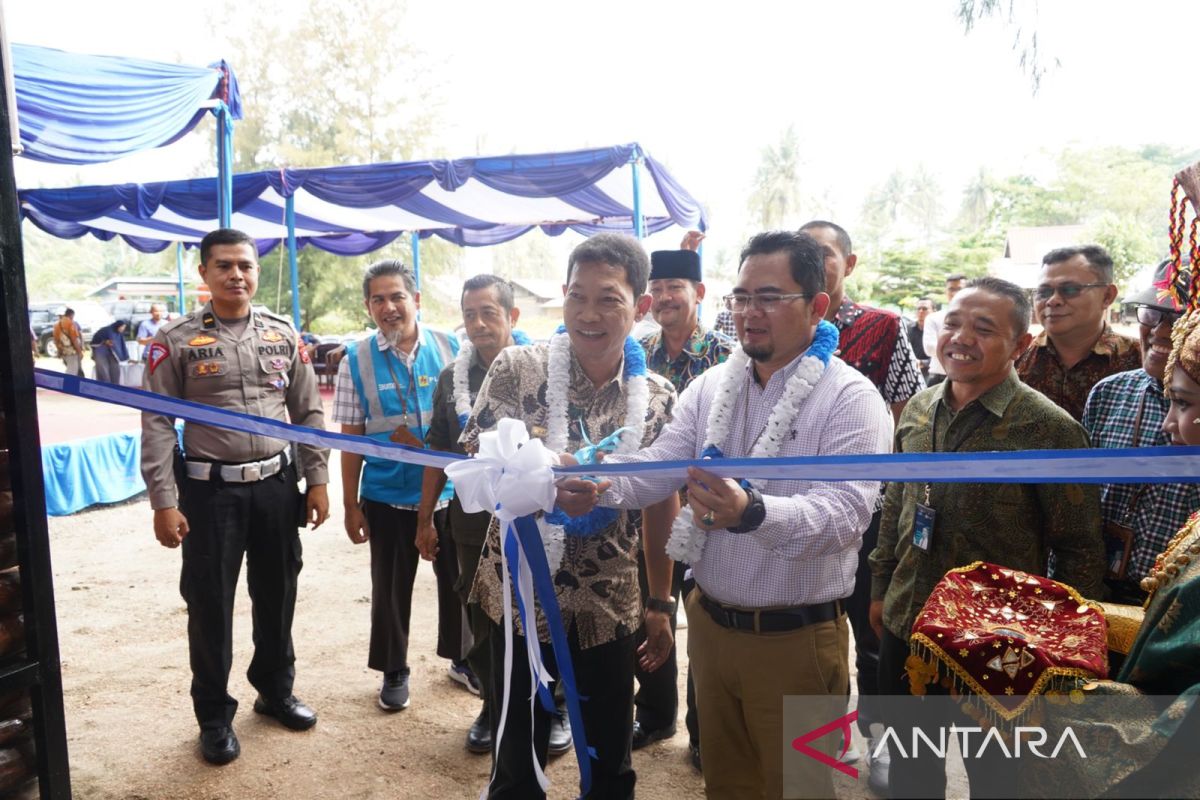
(687,540)
(627,439)
(462,369)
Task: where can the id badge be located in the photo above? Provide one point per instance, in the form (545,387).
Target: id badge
(402,435)
(923,526)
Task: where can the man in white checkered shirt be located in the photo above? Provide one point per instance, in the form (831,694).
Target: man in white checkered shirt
(767,619)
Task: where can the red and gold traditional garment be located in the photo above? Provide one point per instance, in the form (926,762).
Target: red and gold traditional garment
(1003,636)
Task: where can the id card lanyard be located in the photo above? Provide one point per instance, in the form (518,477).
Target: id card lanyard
(926,515)
(403,396)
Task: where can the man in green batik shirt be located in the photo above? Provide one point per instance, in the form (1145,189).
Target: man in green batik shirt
(929,528)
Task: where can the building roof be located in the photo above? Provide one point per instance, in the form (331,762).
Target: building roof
(140,284)
(1029,245)
(540,288)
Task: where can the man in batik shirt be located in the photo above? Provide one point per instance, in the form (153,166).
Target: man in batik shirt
(1076,347)
(596,583)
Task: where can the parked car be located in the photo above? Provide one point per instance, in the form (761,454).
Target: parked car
(89,315)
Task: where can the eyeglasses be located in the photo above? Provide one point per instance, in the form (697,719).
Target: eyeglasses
(767,303)
(1067,291)
(1153,317)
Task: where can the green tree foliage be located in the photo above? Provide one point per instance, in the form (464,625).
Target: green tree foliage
(1021,17)
(328,82)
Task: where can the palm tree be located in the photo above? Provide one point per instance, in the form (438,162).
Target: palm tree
(977,201)
(776,192)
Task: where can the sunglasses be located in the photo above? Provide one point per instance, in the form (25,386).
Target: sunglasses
(1153,317)
(1067,291)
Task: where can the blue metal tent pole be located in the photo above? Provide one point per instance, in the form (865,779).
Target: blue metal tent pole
(290,214)
(639,227)
(179,275)
(416,258)
(224,165)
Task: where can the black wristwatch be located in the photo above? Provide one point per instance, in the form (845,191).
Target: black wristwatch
(755,513)
(665,606)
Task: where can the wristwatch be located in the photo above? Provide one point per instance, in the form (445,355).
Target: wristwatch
(755,513)
(665,606)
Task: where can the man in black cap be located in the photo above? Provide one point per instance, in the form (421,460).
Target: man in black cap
(680,351)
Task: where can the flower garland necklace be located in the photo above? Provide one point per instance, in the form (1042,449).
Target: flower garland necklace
(687,540)
(627,439)
(462,370)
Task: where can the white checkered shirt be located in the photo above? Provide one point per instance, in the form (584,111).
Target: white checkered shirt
(347,407)
(806,550)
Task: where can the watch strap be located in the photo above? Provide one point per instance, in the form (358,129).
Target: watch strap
(665,606)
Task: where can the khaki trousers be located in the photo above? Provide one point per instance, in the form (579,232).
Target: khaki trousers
(741,679)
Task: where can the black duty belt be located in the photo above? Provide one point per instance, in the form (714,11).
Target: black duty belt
(772,620)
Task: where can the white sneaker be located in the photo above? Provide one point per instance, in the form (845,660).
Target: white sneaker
(852,754)
(881,762)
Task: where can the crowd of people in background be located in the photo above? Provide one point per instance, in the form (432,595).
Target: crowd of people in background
(774,574)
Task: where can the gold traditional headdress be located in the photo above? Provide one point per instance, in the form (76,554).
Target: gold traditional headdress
(1185,339)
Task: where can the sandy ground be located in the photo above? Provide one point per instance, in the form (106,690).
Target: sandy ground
(131,732)
(122,630)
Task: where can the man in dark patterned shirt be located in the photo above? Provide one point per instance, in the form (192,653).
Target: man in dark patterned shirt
(597,582)
(682,349)
(1128,410)
(981,406)
(1076,347)
(875,343)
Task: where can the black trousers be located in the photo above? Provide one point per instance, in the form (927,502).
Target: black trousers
(656,704)
(991,775)
(866,643)
(394,563)
(226,522)
(604,676)
(479,657)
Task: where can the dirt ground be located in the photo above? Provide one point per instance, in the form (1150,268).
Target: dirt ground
(122,630)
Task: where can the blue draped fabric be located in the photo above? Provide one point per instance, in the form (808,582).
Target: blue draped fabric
(85,109)
(103,469)
(351,210)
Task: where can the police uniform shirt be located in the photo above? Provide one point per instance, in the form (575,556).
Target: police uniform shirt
(261,369)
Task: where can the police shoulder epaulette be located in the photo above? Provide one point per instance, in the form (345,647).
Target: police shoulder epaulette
(271,315)
(167,327)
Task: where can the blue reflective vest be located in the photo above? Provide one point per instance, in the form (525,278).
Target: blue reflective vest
(372,371)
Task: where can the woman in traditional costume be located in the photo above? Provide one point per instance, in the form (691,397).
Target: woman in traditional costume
(1141,731)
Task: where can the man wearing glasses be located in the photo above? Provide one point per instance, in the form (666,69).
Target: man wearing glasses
(1076,347)
(1127,410)
(766,619)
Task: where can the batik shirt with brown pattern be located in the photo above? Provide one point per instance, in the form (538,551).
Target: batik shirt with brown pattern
(596,584)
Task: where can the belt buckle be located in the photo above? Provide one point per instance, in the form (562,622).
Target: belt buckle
(252,472)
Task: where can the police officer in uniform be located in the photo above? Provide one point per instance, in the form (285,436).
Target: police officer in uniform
(235,494)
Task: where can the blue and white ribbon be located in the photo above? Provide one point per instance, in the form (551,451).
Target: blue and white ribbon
(1126,465)
(511,478)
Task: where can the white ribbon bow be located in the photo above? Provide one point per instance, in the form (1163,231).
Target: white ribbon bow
(509,477)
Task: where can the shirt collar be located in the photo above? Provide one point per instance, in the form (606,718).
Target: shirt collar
(381,342)
(1108,345)
(579,378)
(995,400)
(846,314)
(691,347)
